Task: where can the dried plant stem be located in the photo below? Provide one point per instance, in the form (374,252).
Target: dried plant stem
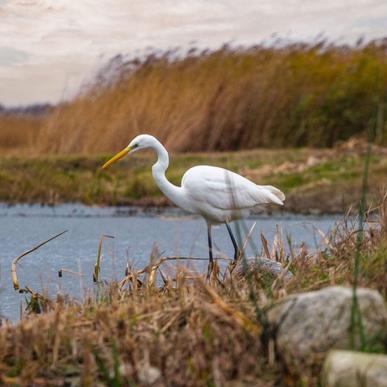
(356,318)
(237,316)
(15,281)
(97,266)
(64,270)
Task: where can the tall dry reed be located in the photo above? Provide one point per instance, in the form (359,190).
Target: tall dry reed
(19,132)
(232,98)
(295,95)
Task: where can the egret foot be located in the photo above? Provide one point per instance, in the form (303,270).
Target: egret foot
(237,255)
(210,270)
(237,250)
(211,263)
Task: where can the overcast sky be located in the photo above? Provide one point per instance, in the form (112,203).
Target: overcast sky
(48,47)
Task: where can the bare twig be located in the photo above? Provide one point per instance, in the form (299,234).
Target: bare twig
(265,246)
(131,275)
(63,270)
(248,236)
(15,281)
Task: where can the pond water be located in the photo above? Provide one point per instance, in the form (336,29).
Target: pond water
(134,231)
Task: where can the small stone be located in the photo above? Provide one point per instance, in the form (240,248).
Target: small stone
(126,370)
(308,325)
(149,375)
(262,264)
(313,161)
(354,369)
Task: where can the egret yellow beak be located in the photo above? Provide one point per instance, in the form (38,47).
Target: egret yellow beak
(117,157)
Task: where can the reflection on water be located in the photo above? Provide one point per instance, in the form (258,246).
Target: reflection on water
(135,233)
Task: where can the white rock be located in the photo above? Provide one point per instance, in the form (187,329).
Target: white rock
(308,325)
(357,369)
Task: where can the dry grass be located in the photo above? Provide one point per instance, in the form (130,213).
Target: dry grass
(178,331)
(186,332)
(293,95)
(230,99)
(19,132)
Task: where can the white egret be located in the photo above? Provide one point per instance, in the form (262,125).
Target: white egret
(218,195)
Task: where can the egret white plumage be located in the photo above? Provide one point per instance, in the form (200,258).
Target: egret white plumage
(217,194)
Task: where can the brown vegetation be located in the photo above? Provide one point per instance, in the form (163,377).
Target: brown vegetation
(19,132)
(185,332)
(282,96)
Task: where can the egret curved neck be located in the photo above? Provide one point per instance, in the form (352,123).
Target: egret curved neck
(170,190)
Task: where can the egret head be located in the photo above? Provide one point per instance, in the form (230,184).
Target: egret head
(142,141)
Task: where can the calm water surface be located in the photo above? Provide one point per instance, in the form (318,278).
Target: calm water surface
(134,231)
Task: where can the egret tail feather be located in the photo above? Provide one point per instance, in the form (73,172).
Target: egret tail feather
(275,191)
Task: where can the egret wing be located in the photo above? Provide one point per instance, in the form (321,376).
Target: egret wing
(223,189)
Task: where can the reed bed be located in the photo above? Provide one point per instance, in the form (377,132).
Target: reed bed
(19,133)
(286,95)
(186,331)
(297,95)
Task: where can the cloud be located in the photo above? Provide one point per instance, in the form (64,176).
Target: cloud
(76,36)
(10,56)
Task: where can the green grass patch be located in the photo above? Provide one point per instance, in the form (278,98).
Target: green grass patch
(56,179)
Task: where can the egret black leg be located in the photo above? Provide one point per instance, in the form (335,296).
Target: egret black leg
(234,243)
(211,263)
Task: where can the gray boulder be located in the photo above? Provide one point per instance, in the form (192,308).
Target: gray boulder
(354,369)
(308,325)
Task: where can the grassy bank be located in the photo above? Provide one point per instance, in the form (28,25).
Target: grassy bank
(188,332)
(281,96)
(325,180)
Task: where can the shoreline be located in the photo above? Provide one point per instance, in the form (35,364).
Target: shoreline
(315,181)
(80,210)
